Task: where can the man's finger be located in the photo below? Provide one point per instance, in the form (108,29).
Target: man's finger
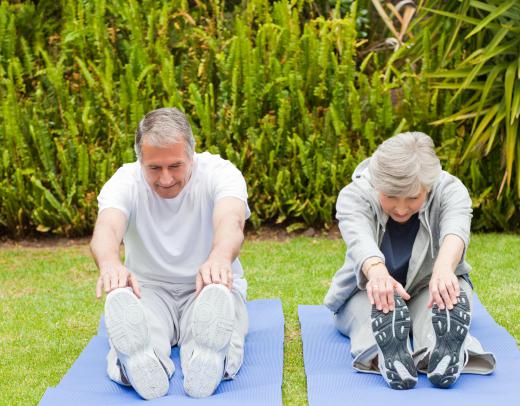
(114,280)
(199,283)
(215,275)
(123,279)
(230,279)
(99,287)
(132,281)
(106,282)
(224,277)
(206,277)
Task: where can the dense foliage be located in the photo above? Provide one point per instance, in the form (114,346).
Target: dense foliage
(288,91)
(471,50)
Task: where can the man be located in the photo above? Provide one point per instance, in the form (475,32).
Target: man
(181,216)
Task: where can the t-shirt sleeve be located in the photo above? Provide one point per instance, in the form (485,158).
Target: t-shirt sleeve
(118,192)
(227,181)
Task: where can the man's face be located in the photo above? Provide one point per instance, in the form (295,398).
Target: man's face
(402,208)
(166,169)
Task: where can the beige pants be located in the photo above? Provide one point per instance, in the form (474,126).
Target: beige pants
(353,320)
(168,309)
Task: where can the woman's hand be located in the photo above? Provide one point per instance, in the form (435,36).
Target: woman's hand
(444,284)
(381,286)
(444,288)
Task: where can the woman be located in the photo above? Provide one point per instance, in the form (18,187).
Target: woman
(406,224)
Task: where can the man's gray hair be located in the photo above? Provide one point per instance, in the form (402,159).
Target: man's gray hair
(403,164)
(164,127)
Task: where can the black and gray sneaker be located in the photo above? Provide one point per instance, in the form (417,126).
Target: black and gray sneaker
(451,328)
(391,331)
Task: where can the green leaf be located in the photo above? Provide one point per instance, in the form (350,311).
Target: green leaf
(493,15)
(509,84)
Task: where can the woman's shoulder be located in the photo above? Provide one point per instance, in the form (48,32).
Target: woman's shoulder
(448,182)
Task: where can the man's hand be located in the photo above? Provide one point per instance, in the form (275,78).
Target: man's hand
(113,275)
(381,286)
(108,234)
(214,271)
(444,288)
(228,234)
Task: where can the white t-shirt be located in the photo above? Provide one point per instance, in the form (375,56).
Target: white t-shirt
(167,240)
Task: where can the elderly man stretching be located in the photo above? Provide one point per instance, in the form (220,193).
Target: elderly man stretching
(181,216)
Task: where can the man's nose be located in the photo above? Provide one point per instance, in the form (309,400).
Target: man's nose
(165,179)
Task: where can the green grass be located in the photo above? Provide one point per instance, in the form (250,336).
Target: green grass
(49,310)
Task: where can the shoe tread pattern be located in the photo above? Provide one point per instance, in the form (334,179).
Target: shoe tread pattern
(449,338)
(128,332)
(391,334)
(212,325)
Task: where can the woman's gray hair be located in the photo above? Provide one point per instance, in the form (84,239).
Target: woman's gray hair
(403,164)
(164,127)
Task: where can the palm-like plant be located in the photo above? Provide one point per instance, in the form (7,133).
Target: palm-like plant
(474,49)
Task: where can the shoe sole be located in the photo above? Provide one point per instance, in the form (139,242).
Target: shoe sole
(212,325)
(128,332)
(391,332)
(451,328)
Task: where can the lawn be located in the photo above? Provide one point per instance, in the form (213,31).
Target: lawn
(49,309)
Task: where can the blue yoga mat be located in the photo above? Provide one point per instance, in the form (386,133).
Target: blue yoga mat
(258,382)
(331,380)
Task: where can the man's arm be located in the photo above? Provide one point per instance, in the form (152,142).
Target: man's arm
(228,235)
(108,235)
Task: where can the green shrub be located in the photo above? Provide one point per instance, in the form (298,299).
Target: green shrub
(276,87)
(469,51)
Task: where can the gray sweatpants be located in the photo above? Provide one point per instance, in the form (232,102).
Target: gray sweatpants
(168,308)
(353,320)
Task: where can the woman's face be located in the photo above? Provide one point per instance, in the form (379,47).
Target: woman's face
(401,208)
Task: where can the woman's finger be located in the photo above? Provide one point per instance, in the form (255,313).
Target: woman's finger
(376,295)
(383,296)
(389,288)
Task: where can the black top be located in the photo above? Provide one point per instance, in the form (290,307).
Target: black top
(397,246)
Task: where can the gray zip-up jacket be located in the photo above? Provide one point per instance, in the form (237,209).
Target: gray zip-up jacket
(447,210)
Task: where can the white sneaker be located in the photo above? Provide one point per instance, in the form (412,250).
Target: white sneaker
(391,331)
(130,337)
(212,325)
(451,329)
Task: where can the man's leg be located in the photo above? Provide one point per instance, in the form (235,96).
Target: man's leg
(140,333)
(213,330)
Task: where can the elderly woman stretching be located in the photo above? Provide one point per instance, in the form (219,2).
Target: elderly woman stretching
(406,224)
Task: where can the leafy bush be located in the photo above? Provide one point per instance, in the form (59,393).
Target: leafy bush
(469,50)
(278,88)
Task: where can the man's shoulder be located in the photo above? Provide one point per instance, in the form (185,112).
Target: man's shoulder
(207,158)
(124,179)
(212,164)
(128,171)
